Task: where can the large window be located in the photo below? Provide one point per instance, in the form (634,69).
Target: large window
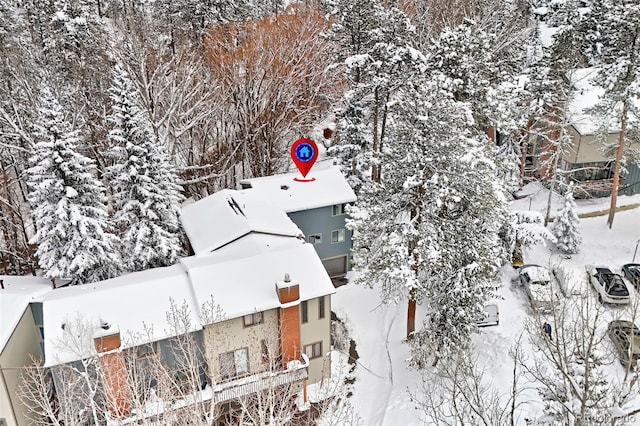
(234,363)
(313,350)
(337,236)
(304,311)
(252,319)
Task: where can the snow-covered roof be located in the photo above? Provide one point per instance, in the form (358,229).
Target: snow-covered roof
(136,304)
(329,188)
(244,285)
(240,278)
(15,297)
(586,95)
(227,215)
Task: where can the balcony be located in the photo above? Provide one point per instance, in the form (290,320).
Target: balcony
(594,188)
(238,388)
(155,410)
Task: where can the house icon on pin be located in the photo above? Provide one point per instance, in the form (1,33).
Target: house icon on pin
(304,152)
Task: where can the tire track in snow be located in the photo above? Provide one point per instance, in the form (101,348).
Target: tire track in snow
(389,386)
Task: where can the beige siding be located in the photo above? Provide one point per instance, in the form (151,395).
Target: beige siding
(317,330)
(24,342)
(587,148)
(230,335)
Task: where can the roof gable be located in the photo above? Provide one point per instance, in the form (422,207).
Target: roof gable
(228,215)
(16,295)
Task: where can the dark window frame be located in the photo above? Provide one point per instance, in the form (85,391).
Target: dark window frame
(304,312)
(316,350)
(253,321)
(338,209)
(321,307)
(315,238)
(338,232)
(235,373)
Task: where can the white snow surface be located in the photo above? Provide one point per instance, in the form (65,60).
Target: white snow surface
(329,188)
(384,382)
(242,215)
(245,285)
(16,295)
(137,304)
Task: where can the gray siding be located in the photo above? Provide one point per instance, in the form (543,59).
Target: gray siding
(632,180)
(321,221)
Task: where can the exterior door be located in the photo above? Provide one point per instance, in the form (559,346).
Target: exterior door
(336,266)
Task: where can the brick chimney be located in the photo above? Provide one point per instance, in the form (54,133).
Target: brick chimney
(114,371)
(289,318)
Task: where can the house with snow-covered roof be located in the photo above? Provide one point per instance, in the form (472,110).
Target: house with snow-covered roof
(251,310)
(21,339)
(587,167)
(317,207)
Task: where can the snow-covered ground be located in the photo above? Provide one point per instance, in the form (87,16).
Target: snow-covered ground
(384,383)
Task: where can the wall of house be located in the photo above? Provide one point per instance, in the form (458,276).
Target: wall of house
(317,330)
(23,344)
(322,221)
(227,336)
(586,147)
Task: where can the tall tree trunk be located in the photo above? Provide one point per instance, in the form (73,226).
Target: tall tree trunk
(411,313)
(616,169)
(375,147)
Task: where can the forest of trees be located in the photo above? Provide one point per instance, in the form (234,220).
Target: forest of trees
(114,112)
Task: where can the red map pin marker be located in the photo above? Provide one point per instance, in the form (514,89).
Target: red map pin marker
(304,153)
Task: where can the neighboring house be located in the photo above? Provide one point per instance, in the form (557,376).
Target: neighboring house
(317,207)
(253,305)
(20,339)
(590,171)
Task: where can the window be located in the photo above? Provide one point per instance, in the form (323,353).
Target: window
(3,422)
(321,307)
(313,350)
(338,209)
(315,238)
(304,311)
(264,350)
(337,236)
(146,350)
(234,363)
(252,319)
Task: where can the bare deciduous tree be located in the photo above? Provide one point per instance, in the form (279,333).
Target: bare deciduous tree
(457,391)
(566,365)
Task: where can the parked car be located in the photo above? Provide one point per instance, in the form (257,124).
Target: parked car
(610,286)
(538,286)
(631,272)
(491,316)
(625,336)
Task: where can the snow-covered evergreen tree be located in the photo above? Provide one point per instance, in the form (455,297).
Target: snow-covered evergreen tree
(68,203)
(146,195)
(483,71)
(375,51)
(428,231)
(566,226)
(510,155)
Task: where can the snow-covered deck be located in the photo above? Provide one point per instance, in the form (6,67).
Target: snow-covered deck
(155,409)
